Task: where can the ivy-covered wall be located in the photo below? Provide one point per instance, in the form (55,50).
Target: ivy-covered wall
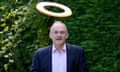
(94,25)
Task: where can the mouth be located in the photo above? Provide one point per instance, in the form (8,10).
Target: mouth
(59,39)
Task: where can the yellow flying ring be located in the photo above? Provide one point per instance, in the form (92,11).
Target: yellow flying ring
(41,8)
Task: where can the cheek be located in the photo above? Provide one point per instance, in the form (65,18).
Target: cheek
(52,36)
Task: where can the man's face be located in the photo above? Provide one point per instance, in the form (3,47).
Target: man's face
(58,34)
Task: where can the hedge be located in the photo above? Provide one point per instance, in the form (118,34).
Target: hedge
(94,26)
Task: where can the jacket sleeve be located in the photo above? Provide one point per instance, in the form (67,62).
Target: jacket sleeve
(35,67)
(82,63)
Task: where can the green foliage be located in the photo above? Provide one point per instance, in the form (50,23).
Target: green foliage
(22,31)
(94,26)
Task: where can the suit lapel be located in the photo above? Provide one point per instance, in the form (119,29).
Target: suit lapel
(68,57)
(50,58)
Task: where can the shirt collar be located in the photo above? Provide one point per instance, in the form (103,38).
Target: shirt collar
(63,49)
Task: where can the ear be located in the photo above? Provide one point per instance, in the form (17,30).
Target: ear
(49,35)
(67,35)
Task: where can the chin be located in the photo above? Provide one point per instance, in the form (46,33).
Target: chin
(59,43)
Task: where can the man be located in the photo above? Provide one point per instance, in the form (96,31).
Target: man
(60,56)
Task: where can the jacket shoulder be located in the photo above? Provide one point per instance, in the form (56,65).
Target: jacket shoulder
(74,47)
(43,50)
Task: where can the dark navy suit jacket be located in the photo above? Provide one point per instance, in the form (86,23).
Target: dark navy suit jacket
(75,59)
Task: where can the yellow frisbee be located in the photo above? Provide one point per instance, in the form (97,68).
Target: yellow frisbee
(41,8)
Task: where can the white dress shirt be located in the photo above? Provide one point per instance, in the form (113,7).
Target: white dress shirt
(59,60)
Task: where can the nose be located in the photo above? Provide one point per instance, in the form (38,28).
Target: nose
(59,34)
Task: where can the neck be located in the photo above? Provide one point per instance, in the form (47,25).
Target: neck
(59,47)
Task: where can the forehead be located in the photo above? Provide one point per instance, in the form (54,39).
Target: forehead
(58,26)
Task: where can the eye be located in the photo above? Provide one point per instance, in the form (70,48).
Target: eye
(62,32)
(59,32)
(55,32)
